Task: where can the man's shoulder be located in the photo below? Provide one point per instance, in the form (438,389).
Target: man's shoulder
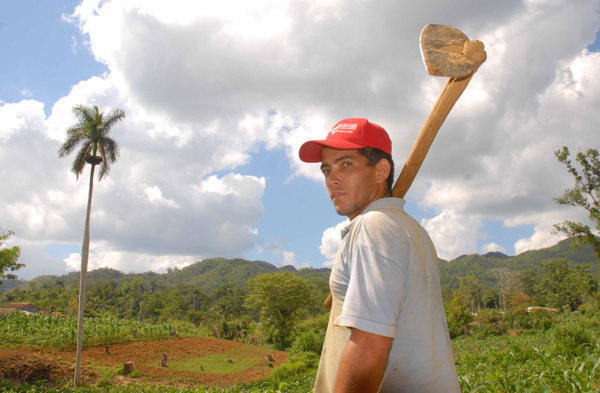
(386,216)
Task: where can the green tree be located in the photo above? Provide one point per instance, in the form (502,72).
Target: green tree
(458,315)
(490,298)
(282,299)
(91,130)
(562,286)
(8,257)
(152,286)
(586,194)
(196,294)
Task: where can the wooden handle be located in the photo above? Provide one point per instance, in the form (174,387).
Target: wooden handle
(329,302)
(450,94)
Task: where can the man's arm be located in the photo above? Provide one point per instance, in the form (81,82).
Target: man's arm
(363,363)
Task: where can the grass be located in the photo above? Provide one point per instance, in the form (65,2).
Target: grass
(231,362)
(214,364)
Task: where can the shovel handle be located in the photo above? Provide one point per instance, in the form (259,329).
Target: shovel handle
(450,94)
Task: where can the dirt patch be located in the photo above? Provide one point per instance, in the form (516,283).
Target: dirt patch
(24,365)
(30,365)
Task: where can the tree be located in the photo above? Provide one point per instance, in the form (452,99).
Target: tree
(458,315)
(91,130)
(195,295)
(490,298)
(586,194)
(507,280)
(562,286)
(282,299)
(8,257)
(152,286)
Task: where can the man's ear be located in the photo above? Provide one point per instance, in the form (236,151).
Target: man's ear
(382,170)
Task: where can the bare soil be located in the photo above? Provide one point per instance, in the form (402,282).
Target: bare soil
(30,365)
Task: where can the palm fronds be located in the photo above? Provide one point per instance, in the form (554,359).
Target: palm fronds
(92,129)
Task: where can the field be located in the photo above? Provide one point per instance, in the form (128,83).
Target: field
(560,355)
(192,361)
(48,331)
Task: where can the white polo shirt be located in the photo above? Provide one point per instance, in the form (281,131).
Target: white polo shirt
(385,280)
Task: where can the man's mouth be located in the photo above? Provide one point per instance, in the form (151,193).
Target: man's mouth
(336,195)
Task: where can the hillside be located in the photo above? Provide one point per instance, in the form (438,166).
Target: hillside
(214,272)
(207,275)
(480,266)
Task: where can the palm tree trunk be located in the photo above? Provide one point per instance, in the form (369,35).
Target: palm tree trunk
(85,252)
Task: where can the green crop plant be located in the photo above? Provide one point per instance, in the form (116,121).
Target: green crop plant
(49,331)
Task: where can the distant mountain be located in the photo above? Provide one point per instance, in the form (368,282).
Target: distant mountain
(207,274)
(8,285)
(480,266)
(214,272)
(496,254)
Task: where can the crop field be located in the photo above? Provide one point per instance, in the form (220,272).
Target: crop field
(565,357)
(524,364)
(48,331)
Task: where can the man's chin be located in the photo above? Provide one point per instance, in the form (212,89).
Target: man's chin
(341,211)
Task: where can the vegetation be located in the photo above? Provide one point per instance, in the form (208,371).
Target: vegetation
(282,299)
(298,384)
(49,331)
(552,353)
(486,301)
(585,193)
(497,349)
(8,257)
(98,148)
(224,363)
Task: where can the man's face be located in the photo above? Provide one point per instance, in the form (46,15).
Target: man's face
(351,183)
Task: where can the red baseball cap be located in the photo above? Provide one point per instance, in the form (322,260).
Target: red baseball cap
(348,134)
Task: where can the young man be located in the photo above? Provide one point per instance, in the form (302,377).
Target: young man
(387,331)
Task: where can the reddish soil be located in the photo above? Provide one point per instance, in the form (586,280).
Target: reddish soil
(32,365)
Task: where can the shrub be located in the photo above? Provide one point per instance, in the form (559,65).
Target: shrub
(583,308)
(572,339)
(298,363)
(308,342)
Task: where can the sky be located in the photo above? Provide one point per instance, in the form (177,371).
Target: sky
(219,96)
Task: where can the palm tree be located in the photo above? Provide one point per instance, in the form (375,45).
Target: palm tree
(98,148)
(195,295)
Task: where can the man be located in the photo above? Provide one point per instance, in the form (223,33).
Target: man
(387,331)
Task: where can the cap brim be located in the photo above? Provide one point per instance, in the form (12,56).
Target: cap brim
(311,151)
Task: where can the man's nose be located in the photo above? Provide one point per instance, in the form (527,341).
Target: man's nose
(333,179)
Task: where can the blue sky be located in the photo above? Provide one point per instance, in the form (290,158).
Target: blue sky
(487,184)
(45,61)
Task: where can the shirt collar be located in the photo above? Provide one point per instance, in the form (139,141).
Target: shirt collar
(381,203)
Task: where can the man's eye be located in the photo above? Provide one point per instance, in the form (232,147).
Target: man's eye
(346,164)
(326,172)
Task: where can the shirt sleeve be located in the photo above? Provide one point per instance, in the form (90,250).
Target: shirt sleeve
(376,287)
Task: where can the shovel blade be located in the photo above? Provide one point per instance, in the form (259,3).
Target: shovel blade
(441,48)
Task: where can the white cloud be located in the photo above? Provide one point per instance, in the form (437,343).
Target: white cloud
(453,234)
(151,206)
(101,255)
(330,242)
(541,238)
(207,84)
(73,45)
(17,117)
(492,247)
(155,197)
(544,234)
(289,258)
